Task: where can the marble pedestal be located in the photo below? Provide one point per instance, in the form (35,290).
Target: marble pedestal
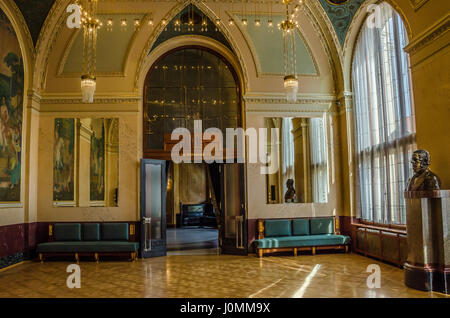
(427,223)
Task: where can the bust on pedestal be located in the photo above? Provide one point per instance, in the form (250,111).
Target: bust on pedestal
(427,224)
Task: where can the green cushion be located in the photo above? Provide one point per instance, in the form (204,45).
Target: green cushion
(277,228)
(67,232)
(85,246)
(115,231)
(322,226)
(91,232)
(302,241)
(300,227)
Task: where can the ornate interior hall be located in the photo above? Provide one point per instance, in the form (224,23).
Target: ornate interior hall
(224,148)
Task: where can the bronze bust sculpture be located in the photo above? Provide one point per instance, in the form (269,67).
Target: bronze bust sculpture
(423,179)
(289,196)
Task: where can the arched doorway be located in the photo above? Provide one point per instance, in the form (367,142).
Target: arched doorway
(185,85)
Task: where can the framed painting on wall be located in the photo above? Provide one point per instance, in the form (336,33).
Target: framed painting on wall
(64,162)
(11,112)
(97,168)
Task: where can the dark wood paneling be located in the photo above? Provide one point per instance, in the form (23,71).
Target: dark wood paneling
(12,239)
(251,233)
(376,241)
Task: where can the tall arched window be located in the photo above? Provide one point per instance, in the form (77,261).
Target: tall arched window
(384,118)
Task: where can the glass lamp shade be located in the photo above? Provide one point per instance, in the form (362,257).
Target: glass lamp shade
(291,88)
(88,89)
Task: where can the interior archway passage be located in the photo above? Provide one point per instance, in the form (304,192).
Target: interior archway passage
(187,84)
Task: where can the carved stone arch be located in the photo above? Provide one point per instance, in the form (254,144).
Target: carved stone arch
(144,64)
(353,34)
(329,26)
(328,39)
(47,38)
(25,42)
(203,6)
(186,40)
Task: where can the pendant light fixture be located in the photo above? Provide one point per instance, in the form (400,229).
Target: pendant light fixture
(90,24)
(290,68)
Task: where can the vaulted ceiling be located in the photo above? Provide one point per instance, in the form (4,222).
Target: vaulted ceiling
(35,12)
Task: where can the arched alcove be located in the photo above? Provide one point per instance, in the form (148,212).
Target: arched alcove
(185,84)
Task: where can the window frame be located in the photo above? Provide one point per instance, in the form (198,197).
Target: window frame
(405,141)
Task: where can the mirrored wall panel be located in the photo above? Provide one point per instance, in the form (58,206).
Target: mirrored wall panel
(86,162)
(301,153)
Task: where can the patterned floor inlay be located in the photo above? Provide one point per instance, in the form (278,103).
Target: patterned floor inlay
(190,275)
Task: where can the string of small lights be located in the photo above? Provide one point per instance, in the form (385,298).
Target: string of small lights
(260,8)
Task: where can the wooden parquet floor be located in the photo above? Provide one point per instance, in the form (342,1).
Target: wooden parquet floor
(197,276)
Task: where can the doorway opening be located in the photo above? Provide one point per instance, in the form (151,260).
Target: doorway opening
(204,204)
(191,217)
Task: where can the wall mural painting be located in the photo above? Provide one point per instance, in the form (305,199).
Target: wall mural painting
(11,106)
(97,169)
(63,158)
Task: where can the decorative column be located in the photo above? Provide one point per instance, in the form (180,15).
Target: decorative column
(306,160)
(111,161)
(84,133)
(428,224)
(299,159)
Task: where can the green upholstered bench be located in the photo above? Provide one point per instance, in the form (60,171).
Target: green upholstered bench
(299,234)
(88,239)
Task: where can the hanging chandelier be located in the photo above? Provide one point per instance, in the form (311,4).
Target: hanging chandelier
(90,24)
(288,26)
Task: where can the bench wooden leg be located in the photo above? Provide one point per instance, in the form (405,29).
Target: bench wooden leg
(313,251)
(96,257)
(136,255)
(260,253)
(346,248)
(41,258)
(77,258)
(295,252)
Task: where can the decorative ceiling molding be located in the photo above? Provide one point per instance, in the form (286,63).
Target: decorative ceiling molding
(326,18)
(210,31)
(276,103)
(46,41)
(169,16)
(309,11)
(417,4)
(59,27)
(107,103)
(113,98)
(437,30)
(291,110)
(153,37)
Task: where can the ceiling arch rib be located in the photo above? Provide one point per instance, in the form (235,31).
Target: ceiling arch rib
(211,30)
(204,9)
